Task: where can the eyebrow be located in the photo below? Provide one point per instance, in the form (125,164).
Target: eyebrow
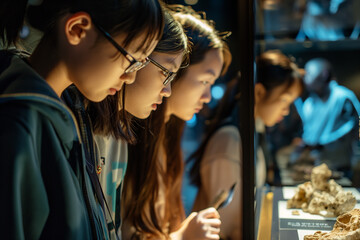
(171,61)
(211,72)
(289,93)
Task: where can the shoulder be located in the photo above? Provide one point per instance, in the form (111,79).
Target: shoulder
(341,91)
(227,133)
(224,144)
(21,129)
(39,114)
(345,96)
(19,113)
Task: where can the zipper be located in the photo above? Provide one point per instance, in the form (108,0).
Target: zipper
(84,189)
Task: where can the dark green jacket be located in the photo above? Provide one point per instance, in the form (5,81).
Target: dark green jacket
(45,193)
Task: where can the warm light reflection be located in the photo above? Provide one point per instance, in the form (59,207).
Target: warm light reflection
(191,2)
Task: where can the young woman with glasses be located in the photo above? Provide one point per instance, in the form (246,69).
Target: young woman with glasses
(95,45)
(155,167)
(111,122)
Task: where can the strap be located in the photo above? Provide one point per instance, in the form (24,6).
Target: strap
(75,99)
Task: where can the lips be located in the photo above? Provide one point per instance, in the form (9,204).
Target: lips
(113,91)
(198,109)
(280,119)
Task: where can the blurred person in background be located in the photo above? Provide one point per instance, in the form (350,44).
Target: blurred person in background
(329,115)
(217,162)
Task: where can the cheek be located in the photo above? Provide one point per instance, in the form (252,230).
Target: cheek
(181,97)
(269,112)
(102,75)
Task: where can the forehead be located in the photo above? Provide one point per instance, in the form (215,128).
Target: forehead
(141,45)
(174,59)
(212,63)
(293,90)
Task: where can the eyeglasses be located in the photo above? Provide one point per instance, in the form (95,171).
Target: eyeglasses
(169,76)
(135,65)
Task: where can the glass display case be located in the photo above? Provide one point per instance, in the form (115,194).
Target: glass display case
(319,36)
(302,30)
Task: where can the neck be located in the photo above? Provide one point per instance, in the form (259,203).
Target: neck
(167,114)
(48,66)
(324,93)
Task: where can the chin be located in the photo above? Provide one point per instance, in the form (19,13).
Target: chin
(141,115)
(184,116)
(269,124)
(187,118)
(96,98)
(144,116)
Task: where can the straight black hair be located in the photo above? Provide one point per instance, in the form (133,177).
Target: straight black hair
(133,17)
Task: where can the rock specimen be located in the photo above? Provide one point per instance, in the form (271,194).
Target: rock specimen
(347,227)
(322,197)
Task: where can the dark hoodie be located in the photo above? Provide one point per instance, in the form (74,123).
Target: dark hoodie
(44,191)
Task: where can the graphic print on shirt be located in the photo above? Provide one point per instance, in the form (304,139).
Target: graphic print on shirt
(113,180)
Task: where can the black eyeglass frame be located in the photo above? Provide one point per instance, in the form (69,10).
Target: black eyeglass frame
(135,65)
(170,76)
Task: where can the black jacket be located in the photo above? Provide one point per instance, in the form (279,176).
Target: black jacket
(45,193)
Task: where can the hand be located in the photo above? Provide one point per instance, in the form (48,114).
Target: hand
(203,225)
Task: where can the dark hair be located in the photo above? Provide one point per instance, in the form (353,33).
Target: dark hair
(155,138)
(203,36)
(273,69)
(105,115)
(133,17)
(174,39)
(143,170)
(225,113)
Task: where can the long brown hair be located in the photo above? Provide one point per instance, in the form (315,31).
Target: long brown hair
(150,134)
(155,137)
(143,173)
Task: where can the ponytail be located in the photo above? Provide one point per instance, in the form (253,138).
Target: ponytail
(12,15)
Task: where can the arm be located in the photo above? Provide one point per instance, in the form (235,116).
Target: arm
(346,122)
(24,199)
(220,168)
(200,225)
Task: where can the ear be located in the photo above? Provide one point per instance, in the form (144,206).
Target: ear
(77,27)
(259,92)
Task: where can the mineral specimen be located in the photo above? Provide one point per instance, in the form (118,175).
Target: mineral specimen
(322,197)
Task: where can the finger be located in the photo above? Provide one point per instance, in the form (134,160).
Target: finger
(189,218)
(214,230)
(212,236)
(210,213)
(214,222)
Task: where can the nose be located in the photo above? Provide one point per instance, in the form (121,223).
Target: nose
(206,96)
(128,78)
(166,91)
